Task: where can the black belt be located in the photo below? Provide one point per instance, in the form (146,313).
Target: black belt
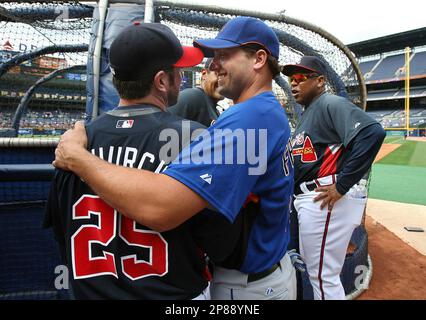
(311,186)
(260,275)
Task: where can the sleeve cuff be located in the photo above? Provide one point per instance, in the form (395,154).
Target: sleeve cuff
(342,190)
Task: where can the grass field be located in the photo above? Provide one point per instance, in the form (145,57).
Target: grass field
(394,140)
(398,183)
(410,153)
(401,175)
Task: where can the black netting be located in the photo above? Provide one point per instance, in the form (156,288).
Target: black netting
(29,254)
(37,39)
(26,27)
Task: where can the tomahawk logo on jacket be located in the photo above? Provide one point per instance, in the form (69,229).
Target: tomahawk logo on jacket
(303,148)
(325,157)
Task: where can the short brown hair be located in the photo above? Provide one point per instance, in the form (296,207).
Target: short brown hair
(138,89)
(252,48)
(131,90)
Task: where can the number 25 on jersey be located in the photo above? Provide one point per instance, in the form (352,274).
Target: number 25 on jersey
(85,265)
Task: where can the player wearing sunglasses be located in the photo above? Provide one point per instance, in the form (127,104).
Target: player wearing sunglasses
(334,145)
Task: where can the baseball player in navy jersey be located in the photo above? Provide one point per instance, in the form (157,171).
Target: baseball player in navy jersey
(257,181)
(334,145)
(109,255)
(199,104)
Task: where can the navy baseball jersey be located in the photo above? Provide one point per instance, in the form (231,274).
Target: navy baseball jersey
(245,155)
(323,134)
(194,104)
(109,255)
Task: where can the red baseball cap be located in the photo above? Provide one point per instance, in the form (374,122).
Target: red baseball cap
(191,56)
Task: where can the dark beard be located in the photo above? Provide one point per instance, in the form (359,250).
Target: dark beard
(171,96)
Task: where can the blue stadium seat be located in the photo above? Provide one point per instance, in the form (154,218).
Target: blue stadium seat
(367,66)
(418,64)
(388,67)
(380,95)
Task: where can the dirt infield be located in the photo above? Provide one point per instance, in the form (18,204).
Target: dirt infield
(395,216)
(399,271)
(385,150)
(422,139)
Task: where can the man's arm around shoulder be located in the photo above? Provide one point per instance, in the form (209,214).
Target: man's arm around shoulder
(154,200)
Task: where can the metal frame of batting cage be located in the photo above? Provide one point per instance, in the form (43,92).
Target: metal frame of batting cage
(276,17)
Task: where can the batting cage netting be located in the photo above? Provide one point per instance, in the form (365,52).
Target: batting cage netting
(43,65)
(54,70)
(28,253)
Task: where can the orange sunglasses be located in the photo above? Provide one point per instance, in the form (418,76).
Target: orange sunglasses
(302,77)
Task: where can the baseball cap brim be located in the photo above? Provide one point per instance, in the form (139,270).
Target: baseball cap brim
(209,45)
(291,69)
(191,56)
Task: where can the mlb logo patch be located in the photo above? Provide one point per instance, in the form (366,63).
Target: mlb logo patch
(299,139)
(124,124)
